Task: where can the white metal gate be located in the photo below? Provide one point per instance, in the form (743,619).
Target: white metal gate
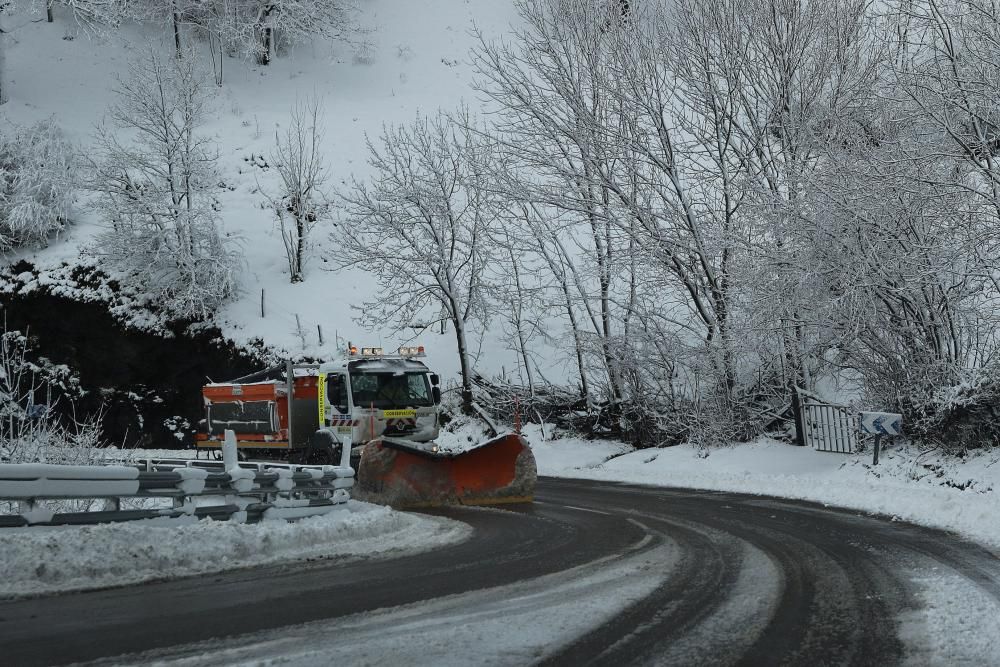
(829,427)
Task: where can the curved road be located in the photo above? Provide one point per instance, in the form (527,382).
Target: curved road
(738,580)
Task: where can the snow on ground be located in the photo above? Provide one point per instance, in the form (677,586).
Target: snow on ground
(418,63)
(921,487)
(462,433)
(952,616)
(508,625)
(40,560)
(957,619)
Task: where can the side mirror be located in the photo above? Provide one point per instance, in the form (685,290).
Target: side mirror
(436,391)
(435,380)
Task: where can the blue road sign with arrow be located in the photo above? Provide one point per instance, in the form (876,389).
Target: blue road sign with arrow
(881,423)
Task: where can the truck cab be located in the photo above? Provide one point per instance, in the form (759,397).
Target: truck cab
(368,397)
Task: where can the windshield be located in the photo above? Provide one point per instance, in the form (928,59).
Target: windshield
(390,390)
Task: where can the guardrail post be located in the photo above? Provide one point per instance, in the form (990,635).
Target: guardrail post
(229,457)
(346,443)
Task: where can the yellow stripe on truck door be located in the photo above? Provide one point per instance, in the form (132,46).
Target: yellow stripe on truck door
(321,398)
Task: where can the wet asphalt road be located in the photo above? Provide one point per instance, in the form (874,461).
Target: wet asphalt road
(754,581)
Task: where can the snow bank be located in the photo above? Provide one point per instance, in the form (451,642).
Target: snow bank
(58,559)
(921,487)
(462,433)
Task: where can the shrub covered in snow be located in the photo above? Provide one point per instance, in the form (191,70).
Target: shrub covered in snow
(957,416)
(31,429)
(36,190)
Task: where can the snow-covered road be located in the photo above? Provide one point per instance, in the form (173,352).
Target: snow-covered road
(593,571)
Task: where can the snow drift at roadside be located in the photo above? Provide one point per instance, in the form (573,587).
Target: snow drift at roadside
(44,560)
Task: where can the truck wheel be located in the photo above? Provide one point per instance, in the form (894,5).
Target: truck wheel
(322,449)
(321,457)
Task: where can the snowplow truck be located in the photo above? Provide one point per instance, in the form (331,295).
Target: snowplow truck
(378,413)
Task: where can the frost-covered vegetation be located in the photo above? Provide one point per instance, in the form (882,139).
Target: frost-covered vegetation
(38,170)
(37,420)
(732,200)
(692,210)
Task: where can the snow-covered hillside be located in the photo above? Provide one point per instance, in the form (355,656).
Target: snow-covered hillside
(417,63)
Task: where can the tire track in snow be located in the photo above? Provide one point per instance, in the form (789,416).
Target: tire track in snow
(724,579)
(513,624)
(791,583)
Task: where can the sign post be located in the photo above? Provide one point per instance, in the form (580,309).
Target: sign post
(880,424)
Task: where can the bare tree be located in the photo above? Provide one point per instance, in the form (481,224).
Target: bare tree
(516,295)
(905,216)
(677,140)
(254,26)
(156,191)
(550,89)
(420,228)
(250,27)
(301,201)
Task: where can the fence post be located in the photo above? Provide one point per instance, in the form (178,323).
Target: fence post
(800,434)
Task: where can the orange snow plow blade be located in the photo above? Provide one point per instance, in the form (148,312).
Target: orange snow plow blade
(401,473)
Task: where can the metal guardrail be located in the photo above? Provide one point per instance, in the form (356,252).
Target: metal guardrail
(249,491)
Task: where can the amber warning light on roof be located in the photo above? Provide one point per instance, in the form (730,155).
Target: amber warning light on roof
(413,351)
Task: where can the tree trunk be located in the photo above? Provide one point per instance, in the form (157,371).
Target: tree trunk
(213,38)
(3,67)
(48,12)
(177,33)
(578,344)
(516,312)
(560,274)
(524,357)
(264,57)
(300,242)
(463,356)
